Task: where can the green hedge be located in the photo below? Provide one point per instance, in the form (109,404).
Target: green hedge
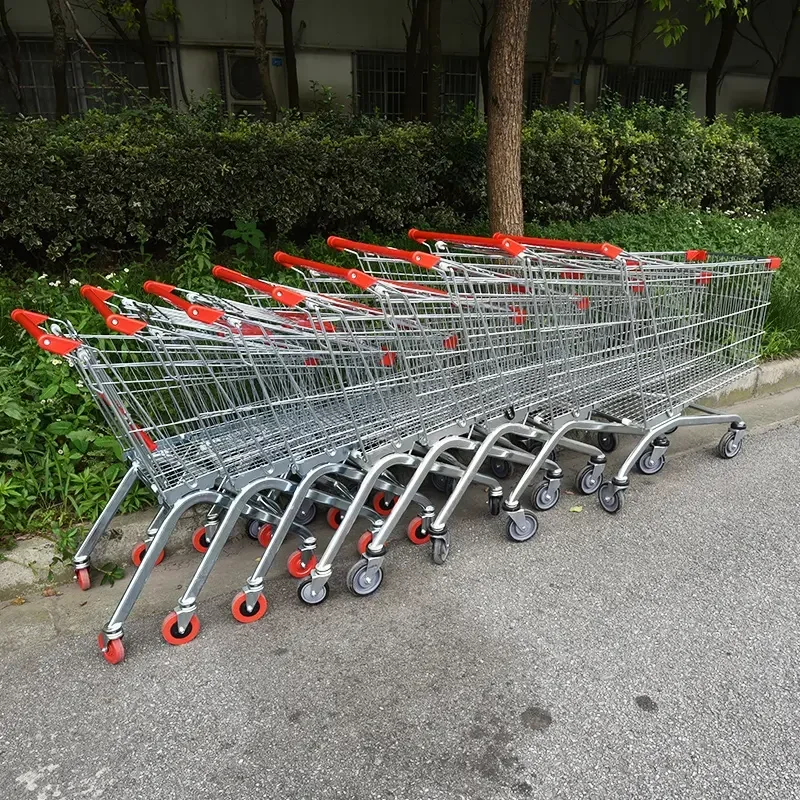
(148,177)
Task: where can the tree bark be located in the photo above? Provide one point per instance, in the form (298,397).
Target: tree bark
(552,52)
(730,19)
(286,7)
(13,67)
(591,44)
(434,60)
(504,145)
(262,58)
(412,99)
(59,57)
(148,48)
(780,62)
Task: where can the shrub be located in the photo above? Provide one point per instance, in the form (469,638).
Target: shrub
(780,138)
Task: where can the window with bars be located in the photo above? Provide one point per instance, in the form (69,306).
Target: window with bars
(381,83)
(88,83)
(649,83)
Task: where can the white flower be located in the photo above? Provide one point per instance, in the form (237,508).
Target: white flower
(56,361)
(79,384)
(110,276)
(56,284)
(61,452)
(42,277)
(126,270)
(73,282)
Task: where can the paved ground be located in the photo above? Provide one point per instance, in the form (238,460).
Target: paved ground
(653,654)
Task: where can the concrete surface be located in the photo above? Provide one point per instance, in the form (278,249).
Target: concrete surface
(648,655)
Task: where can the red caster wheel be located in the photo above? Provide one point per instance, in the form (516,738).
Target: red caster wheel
(334,517)
(264,536)
(114,651)
(295,567)
(169,629)
(382,505)
(415,533)
(200,541)
(363,541)
(84,581)
(137,554)
(240,612)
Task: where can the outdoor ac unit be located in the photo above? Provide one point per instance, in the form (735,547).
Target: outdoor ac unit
(242,82)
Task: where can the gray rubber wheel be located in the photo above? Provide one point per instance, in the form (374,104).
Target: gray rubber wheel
(253,528)
(726,447)
(586,482)
(494,505)
(607,442)
(359,584)
(610,500)
(543,498)
(441,549)
(307,513)
(443,483)
(524,532)
(648,465)
(500,468)
(304,593)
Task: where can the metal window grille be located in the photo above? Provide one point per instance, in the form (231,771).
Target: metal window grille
(459,82)
(88,85)
(534,93)
(649,83)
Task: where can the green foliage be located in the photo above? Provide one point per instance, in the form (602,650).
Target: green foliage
(780,137)
(151,176)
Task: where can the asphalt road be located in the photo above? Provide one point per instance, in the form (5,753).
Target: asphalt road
(652,654)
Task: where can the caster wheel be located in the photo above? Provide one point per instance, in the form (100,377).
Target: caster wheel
(543,498)
(253,527)
(670,431)
(443,483)
(265,535)
(610,500)
(363,541)
(114,651)
(84,580)
(494,505)
(334,517)
(309,596)
(726,447)
(382,505)
(531,445)
(648,465)
(240,612)
(607,442)
(441,549)
(137,554)
(500,468)
(415,533)
(171,634)
(358,582)
(307,514)
(200,541)
(586,482)
(295,565)
(524,532)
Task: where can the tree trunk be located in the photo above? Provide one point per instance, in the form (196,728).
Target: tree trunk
(591,44)
(148,48)
(484,48)
(59,57)
(730,19)
(412,100)
(262,58)
(434,60)
(552,52)
(286,7)
(13,66)
(629,91)
(780,63)
(504,145)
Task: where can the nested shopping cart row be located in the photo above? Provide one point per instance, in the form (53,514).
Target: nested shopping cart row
(451,364)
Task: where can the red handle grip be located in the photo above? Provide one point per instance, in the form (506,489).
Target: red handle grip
(116,322)
(456,238)
(31,321)
(239,278)
(600,248)
(165,291)
(354,276)
(426,260)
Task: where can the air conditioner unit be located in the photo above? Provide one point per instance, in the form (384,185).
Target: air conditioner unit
(243,82)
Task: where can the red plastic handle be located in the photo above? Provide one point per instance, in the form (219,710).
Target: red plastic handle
(426,260)
(165,291)
(354,276)
(31,321)
(239,278)
(600,248)
(116,322)
(456,238)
